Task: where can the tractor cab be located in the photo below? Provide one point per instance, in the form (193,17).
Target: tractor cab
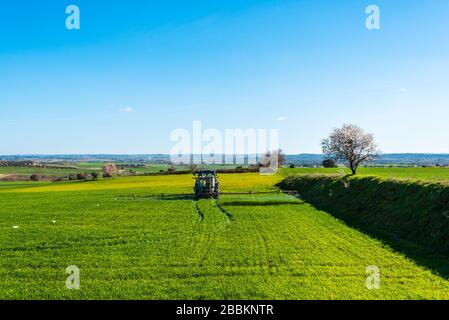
(206,185)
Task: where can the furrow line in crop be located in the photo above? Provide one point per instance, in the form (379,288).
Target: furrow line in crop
(227,214)
(198,210)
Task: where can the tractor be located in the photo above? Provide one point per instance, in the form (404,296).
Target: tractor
(206,185)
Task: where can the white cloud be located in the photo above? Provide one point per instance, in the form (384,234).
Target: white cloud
(127,109)
(280,118)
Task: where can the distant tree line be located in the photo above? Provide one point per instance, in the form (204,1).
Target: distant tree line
(15,163)
(70,177)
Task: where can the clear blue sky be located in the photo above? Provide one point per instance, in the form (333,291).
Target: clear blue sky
(136,70)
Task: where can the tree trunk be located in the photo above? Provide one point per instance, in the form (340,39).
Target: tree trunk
(353,167)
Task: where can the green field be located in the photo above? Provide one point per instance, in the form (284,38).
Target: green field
(83,167)
(88,167)
(43,171)
(133,241)
(430,173)
(410,173)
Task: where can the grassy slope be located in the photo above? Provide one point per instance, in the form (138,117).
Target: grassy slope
(129,245)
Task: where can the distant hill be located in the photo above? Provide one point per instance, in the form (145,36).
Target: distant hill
(306,159)
(418,159)
(145,158)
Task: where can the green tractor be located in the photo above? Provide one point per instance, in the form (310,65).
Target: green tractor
(206,185)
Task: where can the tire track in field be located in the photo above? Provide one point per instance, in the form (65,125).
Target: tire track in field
(201,237)
(213,231)
(212,221)
(227,214)
(194,242)
(198,210)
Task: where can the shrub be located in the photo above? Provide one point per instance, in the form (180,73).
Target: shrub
(107,175)
(72,177)
(81,176)
(94,175)
(35,177)
(239,170)
(193,168)
(329,163)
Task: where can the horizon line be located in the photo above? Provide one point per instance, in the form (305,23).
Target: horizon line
(192,154)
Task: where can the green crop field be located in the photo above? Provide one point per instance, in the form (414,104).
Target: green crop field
(429,173)
(88,167)
(131,240)
(43,171)
(82,167)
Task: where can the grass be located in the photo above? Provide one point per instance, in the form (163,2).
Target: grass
(412,216)
(43,171)
(429,174)
(132,243)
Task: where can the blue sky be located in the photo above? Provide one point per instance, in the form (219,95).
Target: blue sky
(136,70)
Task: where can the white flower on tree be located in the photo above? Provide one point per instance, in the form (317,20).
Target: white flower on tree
(109,169)
(351,145)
